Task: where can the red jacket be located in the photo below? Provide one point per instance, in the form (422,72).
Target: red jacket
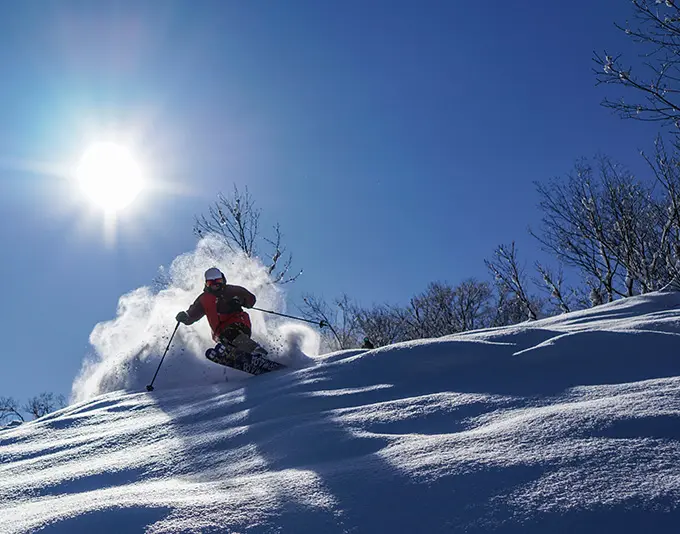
(216,307)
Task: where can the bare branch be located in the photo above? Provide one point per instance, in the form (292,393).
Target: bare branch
(9,409)
(339,317)
(510,276)
(614,228)
(382,324)
(656,29)
(553,283)
(44,403)
(236,220)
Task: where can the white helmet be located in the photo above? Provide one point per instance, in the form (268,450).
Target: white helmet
(215,274)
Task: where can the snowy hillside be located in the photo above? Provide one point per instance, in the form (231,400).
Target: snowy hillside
(569,424)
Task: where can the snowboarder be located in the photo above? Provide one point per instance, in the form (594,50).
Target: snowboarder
(367,344)
(223,304)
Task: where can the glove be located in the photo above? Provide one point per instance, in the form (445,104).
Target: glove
(233,306)
(183,317)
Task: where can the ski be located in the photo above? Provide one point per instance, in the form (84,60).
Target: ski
(254,363)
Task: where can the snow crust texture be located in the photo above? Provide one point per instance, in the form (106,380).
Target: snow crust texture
(568,424)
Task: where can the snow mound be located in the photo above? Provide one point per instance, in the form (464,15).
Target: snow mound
(569,424)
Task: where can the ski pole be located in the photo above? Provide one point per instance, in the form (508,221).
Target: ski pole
(320,323)
(150,386)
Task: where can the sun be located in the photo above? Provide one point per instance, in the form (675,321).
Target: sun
(110,176)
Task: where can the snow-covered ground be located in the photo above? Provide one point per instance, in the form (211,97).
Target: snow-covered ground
(569,424)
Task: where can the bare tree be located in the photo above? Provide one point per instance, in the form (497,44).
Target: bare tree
(553,284)
(596,298)
(9,409)
(617,230)
(575,229)
(507,309)
(339,316)
(510,276)
(643,221)
(656,81)
(382,324)
(443,309)
(632,226)
(431,314)
(44,403)
(666,255)
(471,300)
(236,219)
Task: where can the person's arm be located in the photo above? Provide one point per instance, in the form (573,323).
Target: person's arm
(246,297)
(193,314)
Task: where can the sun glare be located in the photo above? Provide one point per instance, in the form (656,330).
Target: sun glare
(110,176)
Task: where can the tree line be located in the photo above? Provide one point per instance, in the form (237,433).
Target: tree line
(618,234)
(37,406)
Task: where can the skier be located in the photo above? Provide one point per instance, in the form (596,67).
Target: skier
(367,344)
(222,304)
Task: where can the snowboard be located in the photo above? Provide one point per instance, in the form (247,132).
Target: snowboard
(244,355)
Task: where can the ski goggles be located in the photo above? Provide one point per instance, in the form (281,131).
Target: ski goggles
(214,283)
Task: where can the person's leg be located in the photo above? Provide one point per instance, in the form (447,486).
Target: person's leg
(230,333)
(238,336)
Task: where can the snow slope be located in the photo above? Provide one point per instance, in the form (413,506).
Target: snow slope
(569,424)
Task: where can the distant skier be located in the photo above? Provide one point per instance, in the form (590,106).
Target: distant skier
(222,304)
(367,344)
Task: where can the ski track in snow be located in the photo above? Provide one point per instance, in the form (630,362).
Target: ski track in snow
(568,424)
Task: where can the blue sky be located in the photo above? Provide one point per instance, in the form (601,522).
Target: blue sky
(395,142)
